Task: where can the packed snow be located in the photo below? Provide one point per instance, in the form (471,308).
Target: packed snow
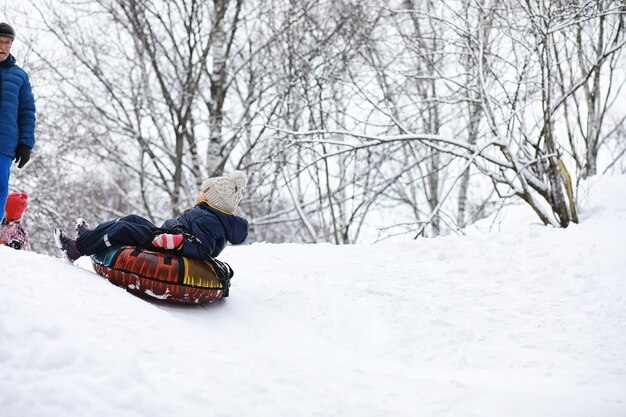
(511,319)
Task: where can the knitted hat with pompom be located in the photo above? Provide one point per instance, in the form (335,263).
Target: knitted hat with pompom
(16,206)
(224,193)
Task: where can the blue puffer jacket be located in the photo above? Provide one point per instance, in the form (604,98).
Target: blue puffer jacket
(17,108)
(212,227)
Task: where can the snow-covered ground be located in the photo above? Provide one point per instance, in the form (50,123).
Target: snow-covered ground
(522,321)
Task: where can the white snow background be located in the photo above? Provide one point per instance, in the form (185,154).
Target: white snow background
(524,321)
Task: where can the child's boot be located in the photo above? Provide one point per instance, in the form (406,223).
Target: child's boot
(67,245)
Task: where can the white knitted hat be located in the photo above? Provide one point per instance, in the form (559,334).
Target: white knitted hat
(224,193)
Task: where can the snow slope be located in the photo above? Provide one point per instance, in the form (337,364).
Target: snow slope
(524,321)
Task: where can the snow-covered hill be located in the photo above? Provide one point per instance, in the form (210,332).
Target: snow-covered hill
(524,321)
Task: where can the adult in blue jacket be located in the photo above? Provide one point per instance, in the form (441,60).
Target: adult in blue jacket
(17,113)
(198,233)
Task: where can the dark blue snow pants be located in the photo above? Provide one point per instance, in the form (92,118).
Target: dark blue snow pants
(129,230)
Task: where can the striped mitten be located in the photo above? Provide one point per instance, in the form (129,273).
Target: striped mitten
(168,241)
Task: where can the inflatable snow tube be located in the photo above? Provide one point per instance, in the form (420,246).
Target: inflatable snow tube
(164,276)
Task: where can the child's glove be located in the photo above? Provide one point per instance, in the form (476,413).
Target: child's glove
(15,244)
(168,241)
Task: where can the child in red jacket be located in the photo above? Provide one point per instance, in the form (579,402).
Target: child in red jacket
(12,232)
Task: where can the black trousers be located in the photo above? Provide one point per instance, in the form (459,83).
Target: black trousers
(129,230)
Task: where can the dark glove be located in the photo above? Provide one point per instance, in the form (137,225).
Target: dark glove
(15,244)
(22,155)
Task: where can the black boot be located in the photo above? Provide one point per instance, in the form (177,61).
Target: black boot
(67,245)
(81,226)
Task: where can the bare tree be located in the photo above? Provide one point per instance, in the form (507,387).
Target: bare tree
(354,120)
(523,158)
(588,47)
(139,78)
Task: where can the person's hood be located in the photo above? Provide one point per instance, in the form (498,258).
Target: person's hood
(236,228)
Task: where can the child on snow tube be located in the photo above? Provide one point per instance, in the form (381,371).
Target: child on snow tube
(199,233)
